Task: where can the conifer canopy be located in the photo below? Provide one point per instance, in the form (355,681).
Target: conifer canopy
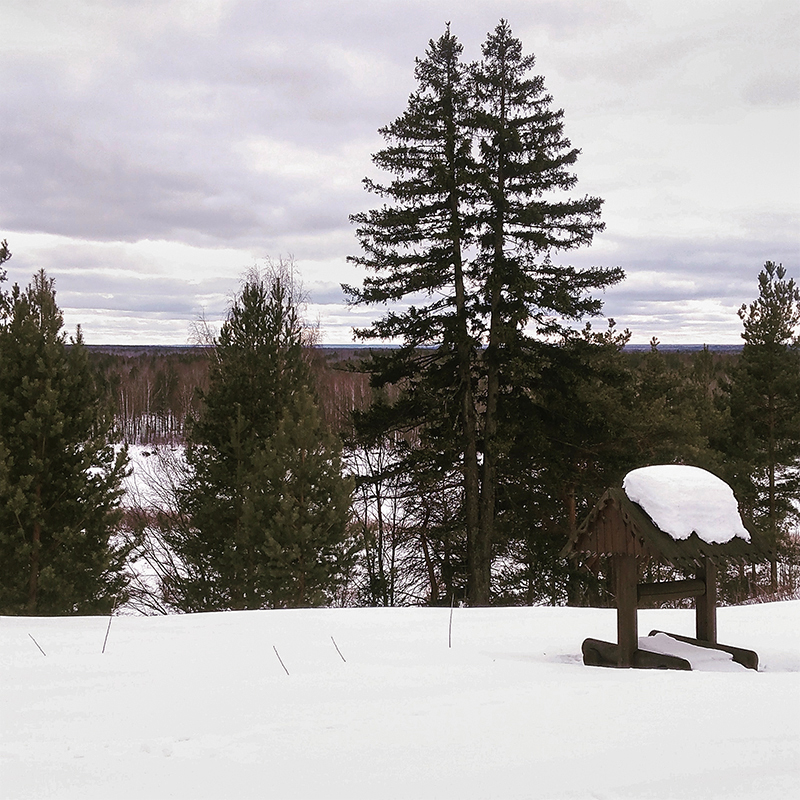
(464,251)
(59,475)
(265,503)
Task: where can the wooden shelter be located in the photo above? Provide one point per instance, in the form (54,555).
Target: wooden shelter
(620,529)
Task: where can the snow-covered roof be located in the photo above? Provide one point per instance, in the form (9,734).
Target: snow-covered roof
(681,515)
(682,500)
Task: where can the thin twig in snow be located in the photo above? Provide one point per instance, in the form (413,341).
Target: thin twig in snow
(450,627)
(280,659)
(37,644)
(338,650)
(108,629)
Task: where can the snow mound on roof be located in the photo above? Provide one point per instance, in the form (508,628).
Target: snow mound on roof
(683,500)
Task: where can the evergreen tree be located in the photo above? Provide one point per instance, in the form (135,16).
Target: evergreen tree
(471,226)
(572,438)
(416,246)
(266,505)
(59,477)
(4,256)
(524,169)
(673,418)
(765,407)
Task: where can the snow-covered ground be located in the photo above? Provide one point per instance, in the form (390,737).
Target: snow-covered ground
(154,472)
(199,706)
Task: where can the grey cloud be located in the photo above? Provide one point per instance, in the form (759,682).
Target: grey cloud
(83,281)
(773,90)
(324,293)
(149,139)
(628,62)
(143,146)
(667,275)
(151,155)
(65,181)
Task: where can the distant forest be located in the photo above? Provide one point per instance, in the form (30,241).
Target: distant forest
(155,387)
(669,406)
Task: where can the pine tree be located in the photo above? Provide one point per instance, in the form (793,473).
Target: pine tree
(765,406)
(59,476)
(266,504)
(471,226)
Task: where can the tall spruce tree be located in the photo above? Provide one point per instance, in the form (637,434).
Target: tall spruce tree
(265,502)
(524,168)
(416,246)
(765,407)
(59,476)
(476,210)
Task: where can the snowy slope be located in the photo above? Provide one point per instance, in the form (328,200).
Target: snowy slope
(199,706)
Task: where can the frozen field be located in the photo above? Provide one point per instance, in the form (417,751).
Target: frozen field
(199,706)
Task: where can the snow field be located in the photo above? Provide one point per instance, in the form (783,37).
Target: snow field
(198,706)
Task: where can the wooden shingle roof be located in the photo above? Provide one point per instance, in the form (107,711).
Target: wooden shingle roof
(618,525)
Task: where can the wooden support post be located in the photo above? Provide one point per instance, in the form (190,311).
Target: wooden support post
(626,574)
(706,604)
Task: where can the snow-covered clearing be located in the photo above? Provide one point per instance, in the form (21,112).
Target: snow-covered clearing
(199,706)
(154,472)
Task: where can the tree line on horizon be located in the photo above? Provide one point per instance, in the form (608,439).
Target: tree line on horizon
(450,469)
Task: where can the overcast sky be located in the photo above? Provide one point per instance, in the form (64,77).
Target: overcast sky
(153,150)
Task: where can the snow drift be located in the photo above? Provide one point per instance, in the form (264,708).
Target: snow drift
(198,706)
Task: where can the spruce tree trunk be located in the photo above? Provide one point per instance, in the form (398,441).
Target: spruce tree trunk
(465,355)
(471,470)
(469,417)
(481,569)
(33,585)
(773,527)
(483,562)
(426,553)
(572,513)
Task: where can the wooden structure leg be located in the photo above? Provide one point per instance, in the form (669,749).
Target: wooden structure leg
(706,603)
(626,572)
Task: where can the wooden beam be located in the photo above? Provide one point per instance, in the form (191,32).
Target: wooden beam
(671,590)
(626,574)
(597,653)
(706,604)
(747,658)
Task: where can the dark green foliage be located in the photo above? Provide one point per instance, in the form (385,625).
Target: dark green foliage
(672,401)
(764,440)
(59,476)
(415,246)
(265,505)
(524,165)
(474,213)
(5,254)
(572,437)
